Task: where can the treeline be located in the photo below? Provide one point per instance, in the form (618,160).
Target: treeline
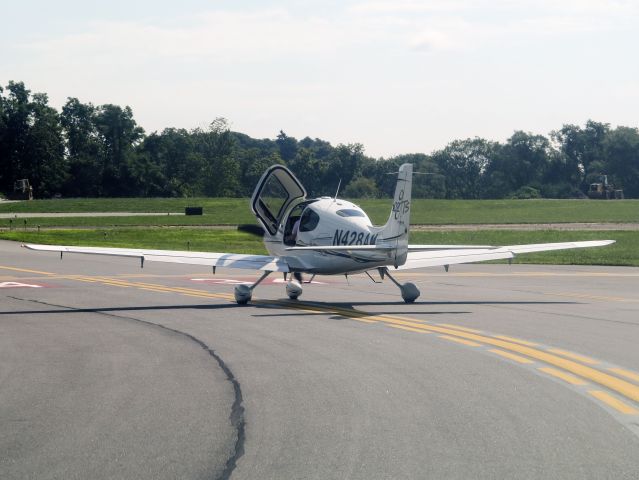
(94,151)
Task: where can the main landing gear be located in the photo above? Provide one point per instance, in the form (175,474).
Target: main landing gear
(244,293)
(294,286)
(408,290)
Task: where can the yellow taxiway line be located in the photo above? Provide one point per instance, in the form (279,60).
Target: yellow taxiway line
(573,368)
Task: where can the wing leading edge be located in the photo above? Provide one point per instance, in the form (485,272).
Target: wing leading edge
(229,260)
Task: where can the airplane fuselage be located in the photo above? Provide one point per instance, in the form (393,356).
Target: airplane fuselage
(329,222)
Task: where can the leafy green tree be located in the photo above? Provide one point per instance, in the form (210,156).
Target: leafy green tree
(31,143)
(44,163)
(621,150)
(16,111)
(521,162)
(343,164)
(84,149)
(118,134)
(221,172)
(583,149)
(175,168)
(361,187)
(287,146)
(463,164)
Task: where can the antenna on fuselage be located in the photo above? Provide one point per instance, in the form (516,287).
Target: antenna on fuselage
(337,191)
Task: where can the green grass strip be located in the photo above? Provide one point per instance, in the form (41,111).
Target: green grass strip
(232,211)
(625,252)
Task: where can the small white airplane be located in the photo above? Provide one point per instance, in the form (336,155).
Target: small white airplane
(328,236)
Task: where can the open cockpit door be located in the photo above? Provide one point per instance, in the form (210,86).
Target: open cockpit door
(276,192)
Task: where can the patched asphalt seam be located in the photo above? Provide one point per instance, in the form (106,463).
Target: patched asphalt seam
(237,419)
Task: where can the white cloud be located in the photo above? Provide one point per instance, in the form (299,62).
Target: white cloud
(440,69)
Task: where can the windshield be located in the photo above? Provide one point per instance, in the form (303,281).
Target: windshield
(350,212)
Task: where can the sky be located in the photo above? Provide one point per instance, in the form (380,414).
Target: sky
(400,76)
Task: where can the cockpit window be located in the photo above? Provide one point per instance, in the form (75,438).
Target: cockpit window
(309,220)
(350,212)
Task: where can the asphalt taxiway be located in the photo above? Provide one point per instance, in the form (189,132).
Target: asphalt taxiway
(109,371)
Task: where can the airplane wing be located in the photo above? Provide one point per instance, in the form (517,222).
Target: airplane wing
(230,260)
(420,259)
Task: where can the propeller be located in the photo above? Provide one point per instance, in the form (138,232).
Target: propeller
(252,229)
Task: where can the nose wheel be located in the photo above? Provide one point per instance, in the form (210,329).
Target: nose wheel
(293,289)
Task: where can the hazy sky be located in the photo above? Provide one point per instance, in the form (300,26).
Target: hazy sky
(397,76)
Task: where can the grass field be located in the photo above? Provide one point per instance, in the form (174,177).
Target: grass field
(120,231)
(232,211)
(624,252)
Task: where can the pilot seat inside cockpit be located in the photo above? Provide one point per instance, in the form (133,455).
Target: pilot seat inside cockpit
(301,219)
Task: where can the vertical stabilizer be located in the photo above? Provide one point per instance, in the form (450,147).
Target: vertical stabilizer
(396,229)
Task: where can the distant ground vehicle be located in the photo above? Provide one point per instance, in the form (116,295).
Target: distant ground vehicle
(604,190)
(22,190)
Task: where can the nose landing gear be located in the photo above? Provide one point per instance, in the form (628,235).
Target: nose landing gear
(293,289)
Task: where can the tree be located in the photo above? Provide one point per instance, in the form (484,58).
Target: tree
(583,150)
(84,149)
(463,164)
(31,143)
(16,113)
(118,134)
(44,163)
(287,146)
(221,172)
(361,187)
(621,150)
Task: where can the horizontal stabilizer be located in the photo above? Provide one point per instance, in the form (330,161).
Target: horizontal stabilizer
(343,248)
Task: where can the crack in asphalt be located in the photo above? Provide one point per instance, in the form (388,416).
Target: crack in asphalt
(237,419)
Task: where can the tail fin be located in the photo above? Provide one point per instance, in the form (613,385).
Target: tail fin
(395,231)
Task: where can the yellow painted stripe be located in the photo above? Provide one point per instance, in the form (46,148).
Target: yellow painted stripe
(460,340)
(574,356)
(25,270)
(592,297)
(517,340)
(162,288)
(614,402)
(563,375)
(409,329)
(620,386)
(465,329)
(625,373)
(511,356)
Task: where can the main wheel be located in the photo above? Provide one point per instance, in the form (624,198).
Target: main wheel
(409,292)
(243,294)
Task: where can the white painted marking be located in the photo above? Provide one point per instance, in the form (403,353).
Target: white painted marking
(18,285)
(281,280)
(221,281)
(231,281)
